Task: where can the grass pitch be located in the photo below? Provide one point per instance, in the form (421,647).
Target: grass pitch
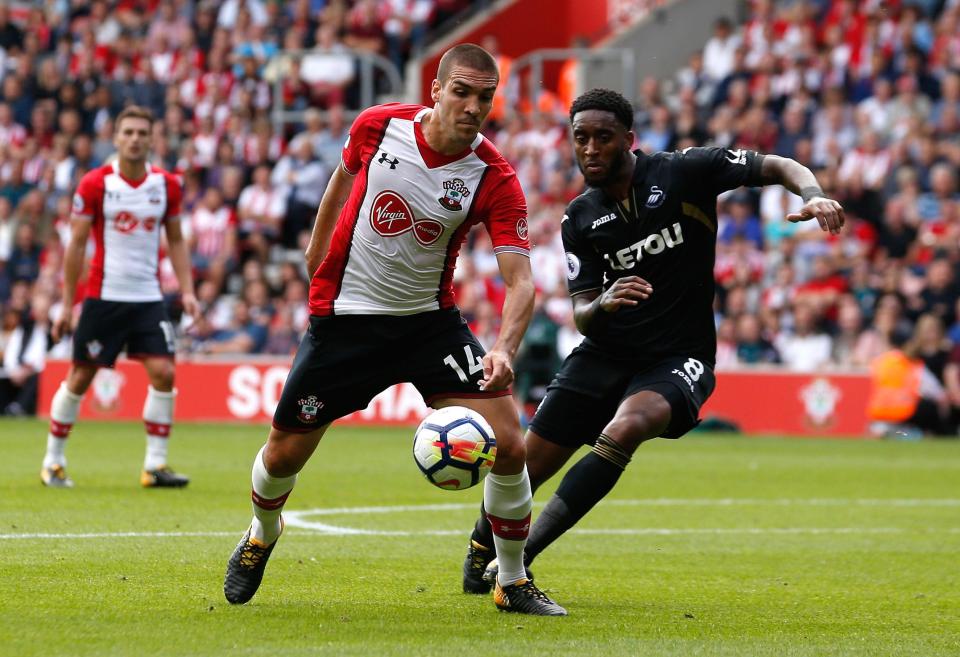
(711,545)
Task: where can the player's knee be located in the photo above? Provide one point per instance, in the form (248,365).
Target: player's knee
(285,456)
(510,448)
(281,460)
(79,379)
(632,428)
(162,376)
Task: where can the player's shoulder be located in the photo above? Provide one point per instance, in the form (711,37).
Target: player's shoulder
(168,176)
(588,203)
(710,154)
(382,113)
(96,176)
(491,156)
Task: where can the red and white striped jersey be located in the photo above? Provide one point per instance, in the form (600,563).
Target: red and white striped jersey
(395,245)
(127,216)
(209,229)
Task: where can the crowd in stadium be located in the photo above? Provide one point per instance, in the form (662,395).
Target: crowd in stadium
(865,92)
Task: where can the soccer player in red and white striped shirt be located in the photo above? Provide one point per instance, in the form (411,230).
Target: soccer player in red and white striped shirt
(411,182)
(123,206)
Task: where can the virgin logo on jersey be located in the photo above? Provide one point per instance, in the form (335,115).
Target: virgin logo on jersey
(126,222)
(390,216)
(652,244)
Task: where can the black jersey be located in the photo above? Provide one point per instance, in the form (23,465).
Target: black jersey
(667,237)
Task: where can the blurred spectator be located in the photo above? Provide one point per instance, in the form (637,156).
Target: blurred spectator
(282,334)
(806,348)
(301,178)
(24,262)
(849,328)
(823,290)
(211,231)
(739,221)
(752,347)
(727,344)
(260,212)
(240,336)
(929,345)
(364,27)
(23,345)
(719,52)
(328,69)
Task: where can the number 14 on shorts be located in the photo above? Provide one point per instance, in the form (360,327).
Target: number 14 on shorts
(474,364)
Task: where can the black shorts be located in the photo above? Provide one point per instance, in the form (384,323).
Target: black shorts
(107,327)
(590,386)
(344,361)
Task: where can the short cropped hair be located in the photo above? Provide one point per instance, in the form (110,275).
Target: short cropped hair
(134,112)
(605,100)
(469,55)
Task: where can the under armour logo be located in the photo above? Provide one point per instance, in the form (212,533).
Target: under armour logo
(385,160)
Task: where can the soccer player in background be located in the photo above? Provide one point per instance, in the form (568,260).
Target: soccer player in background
(411,183)
(641,244)
(123,205)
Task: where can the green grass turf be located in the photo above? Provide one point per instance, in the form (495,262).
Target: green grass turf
(789,547)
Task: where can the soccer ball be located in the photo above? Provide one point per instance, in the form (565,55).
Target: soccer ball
(454,447)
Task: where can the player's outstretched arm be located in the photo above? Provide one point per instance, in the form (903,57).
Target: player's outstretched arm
(517,310)
(776,170)
(334,198)
(180,259)
(72,265)
(591,309)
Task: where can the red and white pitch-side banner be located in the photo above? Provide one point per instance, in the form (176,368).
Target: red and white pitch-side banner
(759,402)
(214,391)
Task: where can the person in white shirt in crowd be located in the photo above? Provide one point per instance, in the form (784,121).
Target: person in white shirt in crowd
(260,212)
(718,53)
(806,348)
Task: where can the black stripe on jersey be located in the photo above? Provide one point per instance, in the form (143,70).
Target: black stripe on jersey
(353,221)
(457,239)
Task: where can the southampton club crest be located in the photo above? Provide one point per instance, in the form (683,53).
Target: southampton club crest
(309,408)
(93,349)
(454,192)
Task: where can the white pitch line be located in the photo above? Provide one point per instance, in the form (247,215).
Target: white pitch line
(299,519)
(742,501)
(319,529)
(662,501)
(114,535)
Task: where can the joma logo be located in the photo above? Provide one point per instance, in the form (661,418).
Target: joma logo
(603,220)
(652,244)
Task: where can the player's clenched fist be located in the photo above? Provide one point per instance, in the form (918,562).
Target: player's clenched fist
(626,291)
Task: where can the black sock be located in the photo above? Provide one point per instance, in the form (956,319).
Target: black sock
(585,484)
(482,532)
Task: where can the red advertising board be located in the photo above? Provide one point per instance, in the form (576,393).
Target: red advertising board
(247,391)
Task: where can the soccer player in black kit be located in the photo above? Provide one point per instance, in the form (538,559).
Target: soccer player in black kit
(641,244)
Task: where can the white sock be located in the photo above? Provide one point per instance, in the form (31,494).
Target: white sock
(508,501)
(157,419)
(269,494)
(64,410)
